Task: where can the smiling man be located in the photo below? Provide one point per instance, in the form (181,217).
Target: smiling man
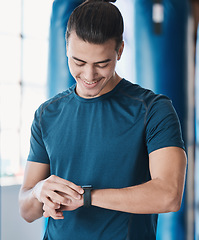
(106,155)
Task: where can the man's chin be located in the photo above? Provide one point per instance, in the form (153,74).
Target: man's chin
(84,92)
(90,95)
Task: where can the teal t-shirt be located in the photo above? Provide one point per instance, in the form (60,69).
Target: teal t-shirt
(103,141)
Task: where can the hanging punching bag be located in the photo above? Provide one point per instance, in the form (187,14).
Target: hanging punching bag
(161,65)
(59,77)
(197,140)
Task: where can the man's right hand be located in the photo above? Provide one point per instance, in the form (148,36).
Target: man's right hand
(55,192)
(57,212)
(45,194)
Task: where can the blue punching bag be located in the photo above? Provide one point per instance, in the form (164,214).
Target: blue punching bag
(161,65)
(197,140)
(59,77)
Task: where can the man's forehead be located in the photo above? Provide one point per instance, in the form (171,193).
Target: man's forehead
(83,51)
(77,42)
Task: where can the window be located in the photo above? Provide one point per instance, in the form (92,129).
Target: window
(24,26)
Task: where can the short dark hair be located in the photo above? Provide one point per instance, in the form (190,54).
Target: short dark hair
(97,21)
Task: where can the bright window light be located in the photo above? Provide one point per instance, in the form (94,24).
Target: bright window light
(24,26)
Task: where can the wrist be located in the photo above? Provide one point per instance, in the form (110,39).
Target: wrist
(95,197)
(36,191)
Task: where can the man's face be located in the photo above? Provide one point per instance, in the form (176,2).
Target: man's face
(93,66)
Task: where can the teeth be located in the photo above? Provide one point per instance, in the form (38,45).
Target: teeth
(89,82)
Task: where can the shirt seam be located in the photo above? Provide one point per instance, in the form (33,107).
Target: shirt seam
(137,99)
(147,110)
(51,102)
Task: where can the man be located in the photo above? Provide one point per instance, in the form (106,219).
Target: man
(104,131)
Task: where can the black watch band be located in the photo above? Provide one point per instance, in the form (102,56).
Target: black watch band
(87,195)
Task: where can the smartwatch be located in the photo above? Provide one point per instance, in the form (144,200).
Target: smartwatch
(87,195)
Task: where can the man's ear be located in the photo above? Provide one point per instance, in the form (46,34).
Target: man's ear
(66,49)
(120,51)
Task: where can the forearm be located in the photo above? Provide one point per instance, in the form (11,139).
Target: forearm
(151,197)
(30,208)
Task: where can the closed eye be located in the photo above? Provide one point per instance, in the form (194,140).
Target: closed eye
(80,65)
(101,66)
(97,65)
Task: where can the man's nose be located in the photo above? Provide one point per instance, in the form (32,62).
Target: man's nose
(90,73)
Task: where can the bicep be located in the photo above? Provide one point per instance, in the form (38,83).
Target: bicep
(169,164)
(35,172)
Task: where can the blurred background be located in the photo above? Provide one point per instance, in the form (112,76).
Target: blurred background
(161,53)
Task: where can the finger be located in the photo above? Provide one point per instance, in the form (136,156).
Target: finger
(75,187)
(48,212)
(55,187)
(69,200)
(51,204)
(62,181)
(55,216)
(60,198)
(46,215)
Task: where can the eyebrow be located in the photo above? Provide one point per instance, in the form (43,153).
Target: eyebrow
(104,61)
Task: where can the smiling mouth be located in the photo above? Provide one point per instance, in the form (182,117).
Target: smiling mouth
(90,83)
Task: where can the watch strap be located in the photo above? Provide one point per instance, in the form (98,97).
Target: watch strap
(87,195)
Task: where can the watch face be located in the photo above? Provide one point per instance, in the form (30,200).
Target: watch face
(87,186)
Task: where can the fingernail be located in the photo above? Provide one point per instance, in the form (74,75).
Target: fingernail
(81,191)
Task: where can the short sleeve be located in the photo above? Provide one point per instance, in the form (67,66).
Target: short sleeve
(37,151)
(162,126)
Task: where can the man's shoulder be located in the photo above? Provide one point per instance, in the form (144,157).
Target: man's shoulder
(56,101)
(144,95)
